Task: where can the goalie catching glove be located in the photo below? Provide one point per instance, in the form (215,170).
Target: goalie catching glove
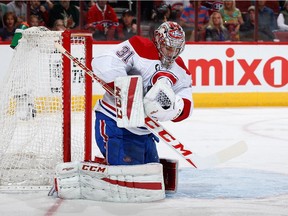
(161,103)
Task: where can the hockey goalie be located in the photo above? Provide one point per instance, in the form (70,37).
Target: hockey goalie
(148,78)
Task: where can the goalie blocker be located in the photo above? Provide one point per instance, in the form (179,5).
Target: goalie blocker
(129,101)
(100,182)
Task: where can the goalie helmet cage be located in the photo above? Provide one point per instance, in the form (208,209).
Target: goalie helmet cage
(45,109)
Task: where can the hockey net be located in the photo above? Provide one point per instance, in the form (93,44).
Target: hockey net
(45,109)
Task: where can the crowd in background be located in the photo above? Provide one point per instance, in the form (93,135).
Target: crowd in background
(220,20)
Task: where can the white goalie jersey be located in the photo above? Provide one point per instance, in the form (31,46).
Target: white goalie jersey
(139,56)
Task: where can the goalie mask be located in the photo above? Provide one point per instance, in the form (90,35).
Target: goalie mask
(169,40)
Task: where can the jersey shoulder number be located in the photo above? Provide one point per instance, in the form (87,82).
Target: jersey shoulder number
(125,53)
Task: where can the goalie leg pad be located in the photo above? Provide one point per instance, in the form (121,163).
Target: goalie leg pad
(93,181)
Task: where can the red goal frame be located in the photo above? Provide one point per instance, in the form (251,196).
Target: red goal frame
(66,95)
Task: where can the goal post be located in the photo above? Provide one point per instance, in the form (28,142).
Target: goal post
(45,109)
(77,38)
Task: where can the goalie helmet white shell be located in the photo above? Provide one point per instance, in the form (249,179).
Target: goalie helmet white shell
(169,39)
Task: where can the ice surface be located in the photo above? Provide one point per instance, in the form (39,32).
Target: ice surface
(255,183)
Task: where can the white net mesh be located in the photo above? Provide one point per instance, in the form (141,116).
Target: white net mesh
(31,117)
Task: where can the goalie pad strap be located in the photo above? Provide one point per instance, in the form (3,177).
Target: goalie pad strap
(135,183)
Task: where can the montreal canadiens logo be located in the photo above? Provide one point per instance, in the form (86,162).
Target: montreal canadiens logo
(216,6)
(176,34)
(164,74)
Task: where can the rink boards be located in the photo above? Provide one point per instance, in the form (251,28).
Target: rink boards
(234,74)
(224,74)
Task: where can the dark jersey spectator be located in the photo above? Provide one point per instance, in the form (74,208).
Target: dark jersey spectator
(247,29)
(266,17)
(102,21)
(65,11)
(216,31)
(3,10)
(127,28)
(39,10)
(161,14)
(19,8)
(7,32)
(48,5)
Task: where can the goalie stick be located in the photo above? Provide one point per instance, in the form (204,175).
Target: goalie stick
(157,129)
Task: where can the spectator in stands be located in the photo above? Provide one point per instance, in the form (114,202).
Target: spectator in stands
(65,11)
(39,10)
(85,7)
(216,31)
(187,20)
(282,19)
(48,5)
(247,29)
(146,10)
(59,25)
(3,10)
(19,8)
(177,8)
(266,17)
(127,27)
(7,32)
(102,21)
(33,21)
(232,18)
(161,14)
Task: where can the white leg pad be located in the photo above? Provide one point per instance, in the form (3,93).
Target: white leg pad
(93,181)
